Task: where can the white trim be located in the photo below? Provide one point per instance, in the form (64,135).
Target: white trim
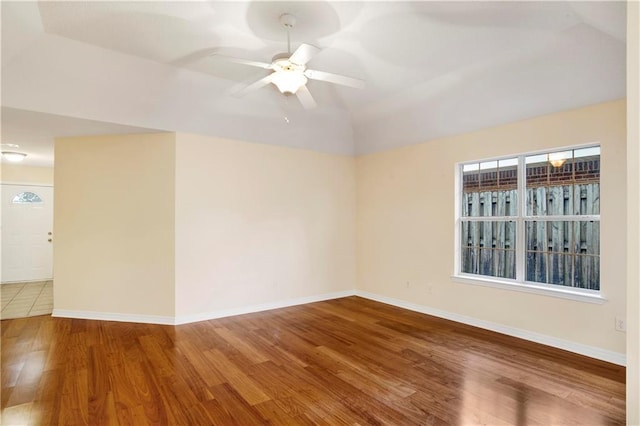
(25,183)
(579,348)
(550,218)
(27,282)
(527,287)
(111,316)
(457,246)
(204,316)
(566,218)
(521,246)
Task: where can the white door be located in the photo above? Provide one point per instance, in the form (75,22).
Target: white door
(27,223)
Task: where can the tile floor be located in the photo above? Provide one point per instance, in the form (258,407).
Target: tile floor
(26,299)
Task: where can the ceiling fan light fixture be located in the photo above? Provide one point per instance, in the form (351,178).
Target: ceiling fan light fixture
(288,81)
(14,157)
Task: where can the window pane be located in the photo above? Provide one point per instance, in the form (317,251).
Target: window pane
(26,198)
(508,162)
(586,198)
(547,246)
(488,248)
(563,253)
(587,272)
(490,188)
(539,158)
(558,158)
(563,183)
(587,152)
(560,269)
(586,237)
(587,259)
(489,165)
(470,189)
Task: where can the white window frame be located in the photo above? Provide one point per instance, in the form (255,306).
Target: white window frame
(519,284)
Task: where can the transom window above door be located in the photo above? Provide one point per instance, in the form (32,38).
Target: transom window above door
(26,197)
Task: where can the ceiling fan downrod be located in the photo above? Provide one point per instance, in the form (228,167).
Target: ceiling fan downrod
(288,21)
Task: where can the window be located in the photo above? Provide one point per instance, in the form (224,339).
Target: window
(532,220)
(26,198)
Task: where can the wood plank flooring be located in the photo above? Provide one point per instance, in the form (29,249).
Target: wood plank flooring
(344,361)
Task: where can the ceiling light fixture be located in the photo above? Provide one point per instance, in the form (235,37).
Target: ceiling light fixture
(557,163)
(289,78)
(14,157)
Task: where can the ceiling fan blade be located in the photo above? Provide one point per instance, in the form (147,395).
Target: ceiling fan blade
(243,61)
(303,54)
(335,78)
(305,98)
(254,86)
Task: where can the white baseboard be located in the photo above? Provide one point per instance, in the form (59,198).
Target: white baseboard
(590,351)
(27,282)
(185,319)
(579,348)
(110,316)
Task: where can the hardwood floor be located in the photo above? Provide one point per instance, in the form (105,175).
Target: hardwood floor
(344,361)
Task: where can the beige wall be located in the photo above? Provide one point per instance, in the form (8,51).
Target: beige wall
(258,224)
(406,226)
(183,225)
(633,218)
(114,224)
(25,174)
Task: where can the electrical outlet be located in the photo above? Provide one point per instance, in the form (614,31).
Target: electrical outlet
(621,324)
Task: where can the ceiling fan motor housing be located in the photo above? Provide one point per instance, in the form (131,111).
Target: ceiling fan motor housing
(280,57)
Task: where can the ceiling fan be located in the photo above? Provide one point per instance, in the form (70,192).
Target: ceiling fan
(290,73)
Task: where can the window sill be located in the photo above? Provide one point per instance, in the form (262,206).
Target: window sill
(564,293)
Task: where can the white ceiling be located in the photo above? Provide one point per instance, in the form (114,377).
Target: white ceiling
(432,69)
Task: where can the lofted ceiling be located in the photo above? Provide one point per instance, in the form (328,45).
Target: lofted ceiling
(432,69)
